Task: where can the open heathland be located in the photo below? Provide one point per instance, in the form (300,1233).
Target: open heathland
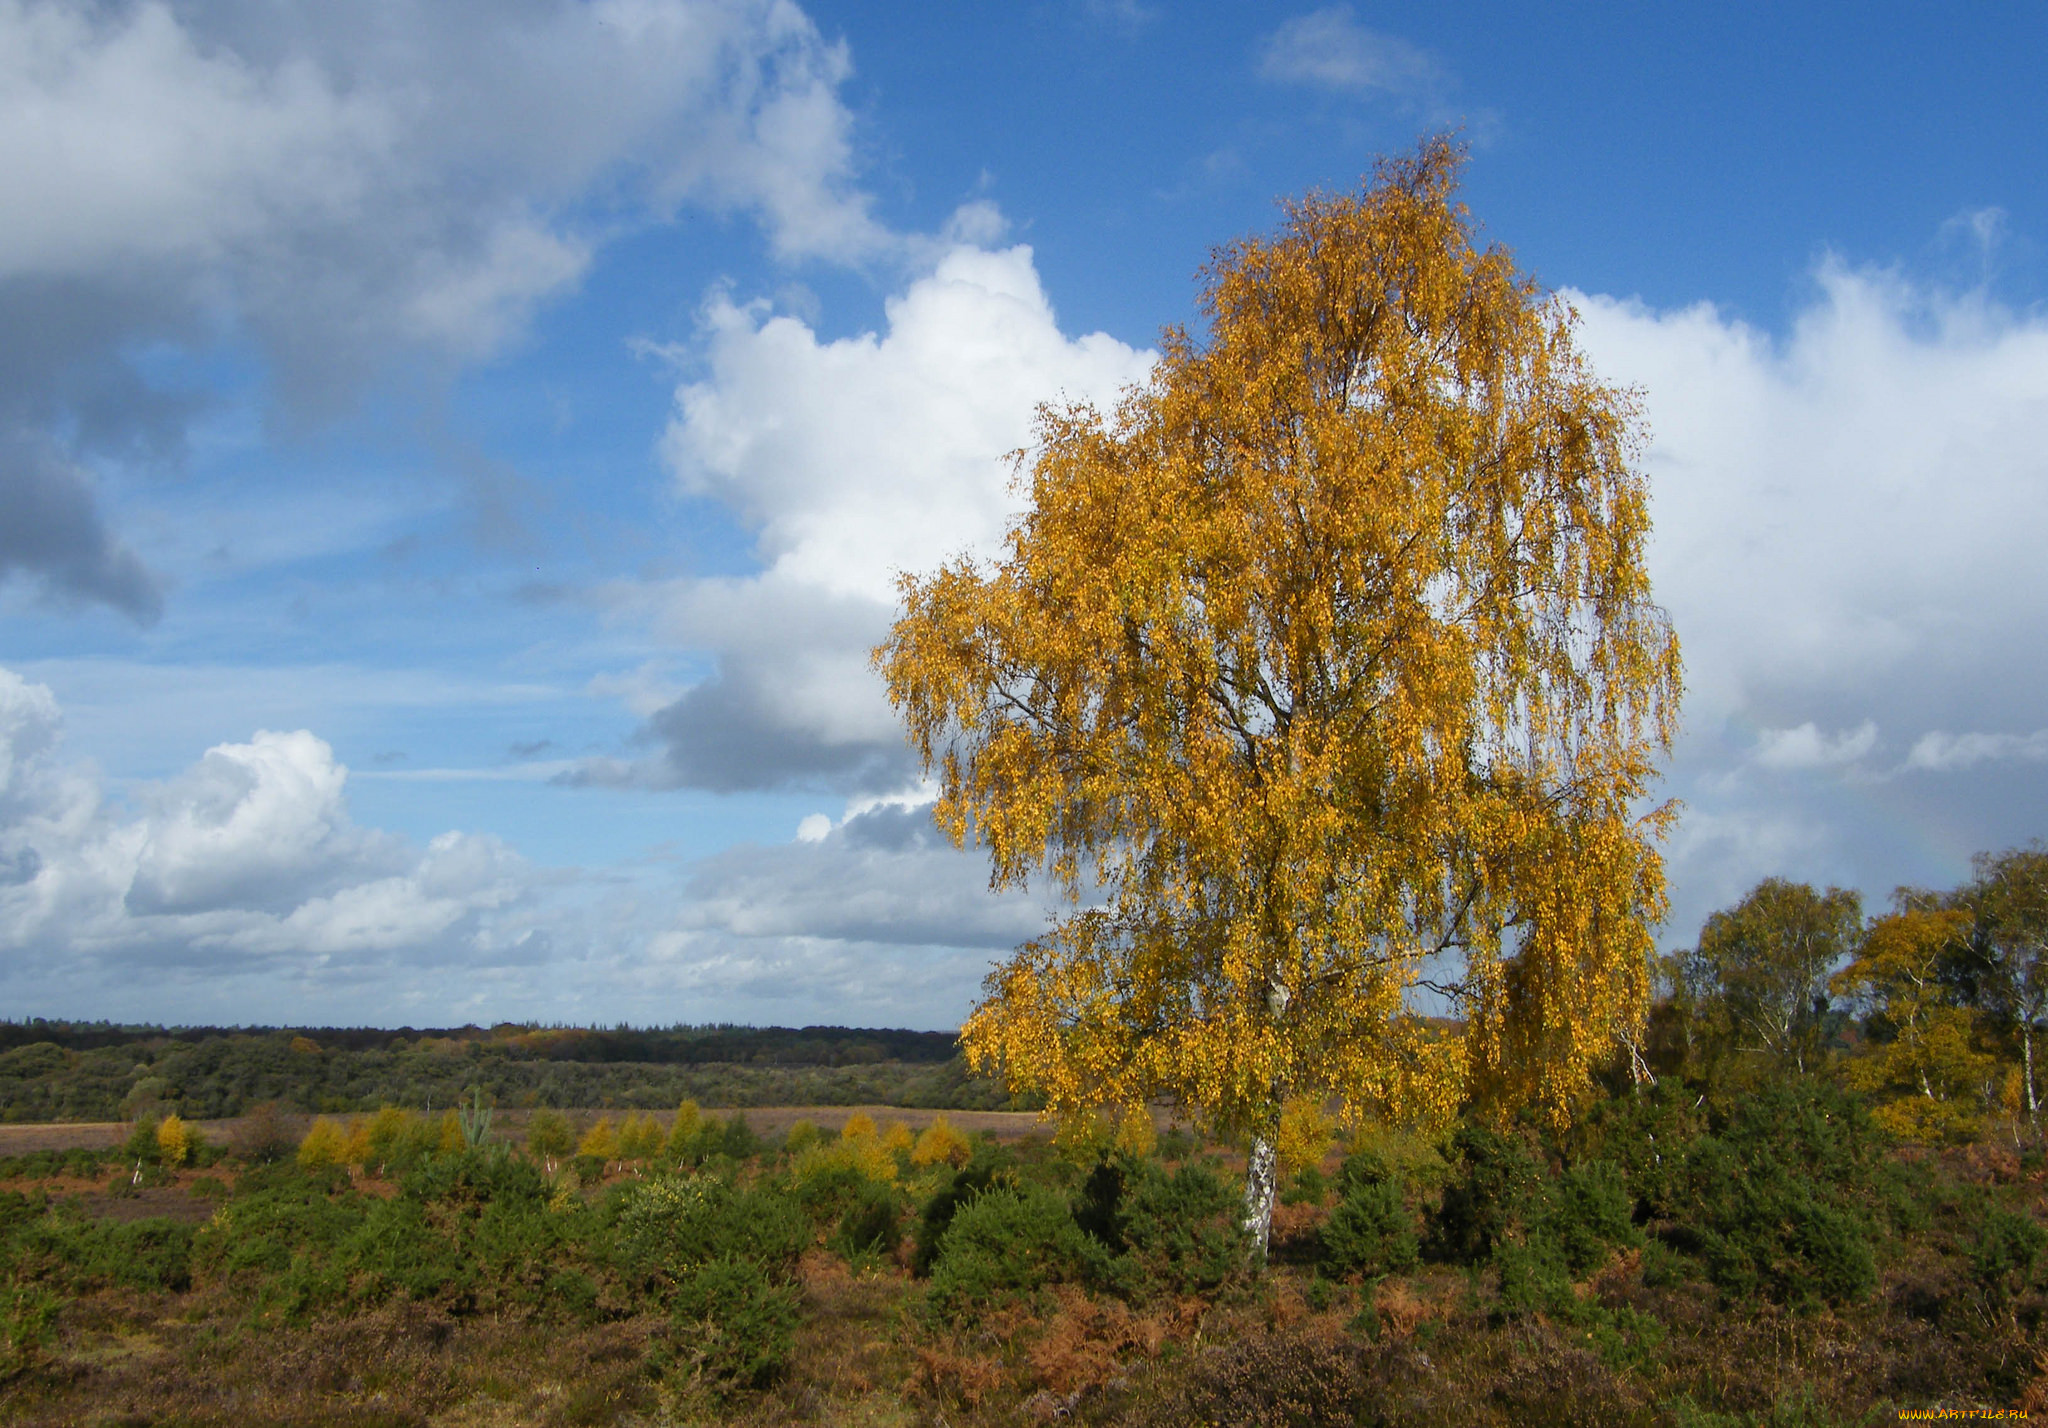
(1767,1254)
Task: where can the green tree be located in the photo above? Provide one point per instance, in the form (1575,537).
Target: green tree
(1922,1063)
(1323,671)
(549,1137)
(1758,979)
(2007,904)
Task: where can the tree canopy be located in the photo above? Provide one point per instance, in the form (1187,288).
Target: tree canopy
(1321,674)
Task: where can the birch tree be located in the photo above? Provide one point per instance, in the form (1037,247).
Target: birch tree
(1323,680)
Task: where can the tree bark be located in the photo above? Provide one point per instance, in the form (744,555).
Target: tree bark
(2027,1050)
(1261,1184)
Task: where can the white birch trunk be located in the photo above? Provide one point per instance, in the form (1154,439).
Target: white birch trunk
(1261,1185)
(2027,1050)
(1262,1168)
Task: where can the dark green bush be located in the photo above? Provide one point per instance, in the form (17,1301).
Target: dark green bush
(1371,1231)
(397,1251)
(739,1140)
(65,1249)
(1309,1187)
(732,1325)
(938,1211)
(1180,1230)
(28,1317)
(669,1225)
(1006,1241)
(279,1214)
(472,1178)
(1587,1213)
(1493,1178)
(572,1294)
(2006,1258)
(872,1224)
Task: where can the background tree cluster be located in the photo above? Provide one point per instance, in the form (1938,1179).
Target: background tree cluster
(55,1071)
(1934,1009)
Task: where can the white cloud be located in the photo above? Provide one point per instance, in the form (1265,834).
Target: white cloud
(1847,522)
(1938,752)
(1330,49)
(1806,747)
(852,461)
(243,889)
(345,187)
(248,862)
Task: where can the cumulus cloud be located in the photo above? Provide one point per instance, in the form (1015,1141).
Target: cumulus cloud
(1846,528)
(344,185)
(246,864)
(243,888)
(851,461)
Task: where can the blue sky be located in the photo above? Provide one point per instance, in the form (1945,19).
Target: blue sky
(453,457)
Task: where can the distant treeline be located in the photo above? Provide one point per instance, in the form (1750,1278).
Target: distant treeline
(99,1071)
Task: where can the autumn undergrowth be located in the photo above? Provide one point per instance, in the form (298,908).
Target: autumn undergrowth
(1772,1258)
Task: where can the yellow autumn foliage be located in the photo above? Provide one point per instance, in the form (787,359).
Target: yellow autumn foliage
(325,1143)
(1322,673)
(173,1140)
(1927,1077)
(1306,1129)
(601,1140)
(940,1144)
(640,1138)
(1135,1132)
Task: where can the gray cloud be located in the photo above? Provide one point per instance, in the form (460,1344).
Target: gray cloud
(883,876)
(51,529)
(346,189)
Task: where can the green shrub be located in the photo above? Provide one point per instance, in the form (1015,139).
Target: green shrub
(669,1225)
(734,1327)
(938,1211)
(1371,1231)
(1492,1180)
(1587,1214)
(2007,1255)
(872,1224)
(571,1294)
(739,1140)
(1181,1230)
(473,1177)
(28,1318)
(278,1214)
(1309,1187)
(67,1250)
(1006,1241)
